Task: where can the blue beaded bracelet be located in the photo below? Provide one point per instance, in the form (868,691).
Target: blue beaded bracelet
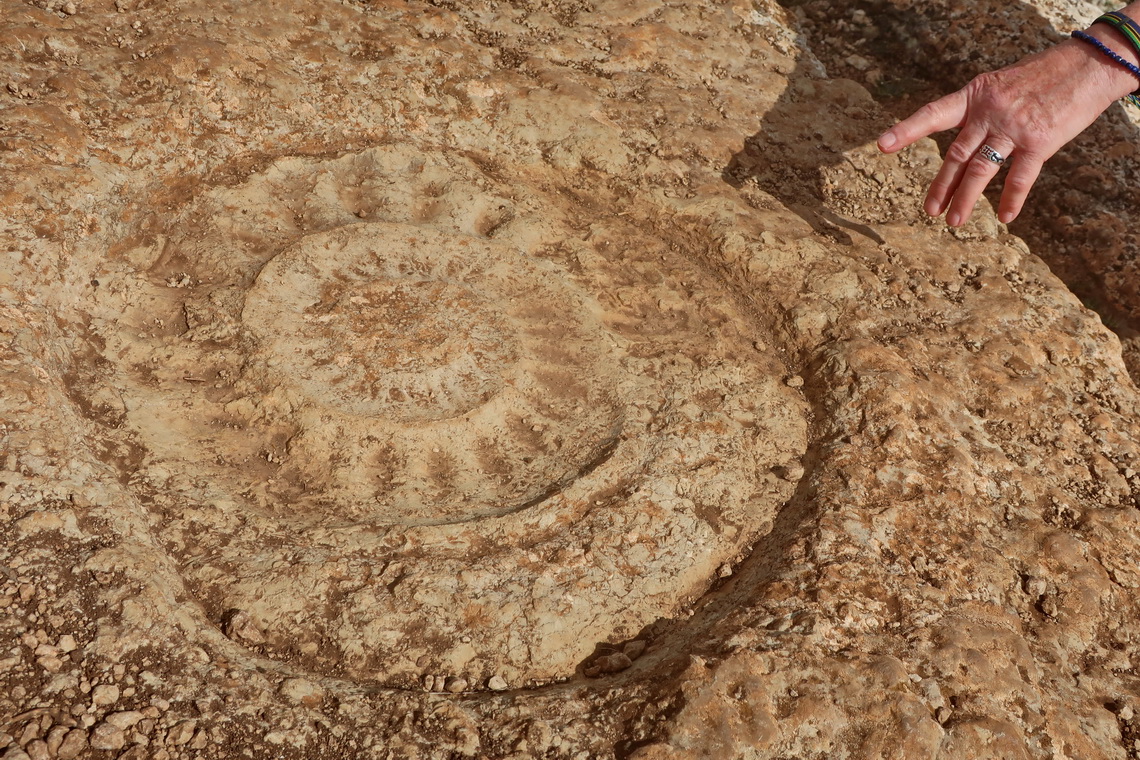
(1134,98)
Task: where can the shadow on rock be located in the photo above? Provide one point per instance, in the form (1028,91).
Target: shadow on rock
(799,142)
(1081,216)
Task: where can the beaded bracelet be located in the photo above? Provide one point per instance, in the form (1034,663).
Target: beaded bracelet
(1133,98)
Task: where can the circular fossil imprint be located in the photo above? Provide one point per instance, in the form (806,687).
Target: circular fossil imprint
(392,448)
(451,378)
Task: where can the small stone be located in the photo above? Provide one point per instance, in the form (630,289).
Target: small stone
(182,732)
(70,9)
(136,752)
(15,753)
(67,643)
(725,571)
(613,663)
(1122,709)
(791,473)
(497,683)
(55,739)
(50,664)
(106,736)
(73,744)
(105,694)
(124,719)
(942,714)
(794,381)
(456,685)
(634,649)
(301,691)
(239,626)
(31,731)
(1035,587)
(38,750)
(781,624)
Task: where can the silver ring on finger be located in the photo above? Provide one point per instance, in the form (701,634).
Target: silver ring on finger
(992,155)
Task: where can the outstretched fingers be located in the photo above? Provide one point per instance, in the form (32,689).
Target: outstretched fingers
(978,173)
(959,155)
(945,113)
(1021,177)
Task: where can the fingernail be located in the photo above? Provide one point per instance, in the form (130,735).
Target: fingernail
(953,218)
(1005,217)
(887,141)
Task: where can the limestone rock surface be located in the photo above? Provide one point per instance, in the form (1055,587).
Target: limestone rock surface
(552,379)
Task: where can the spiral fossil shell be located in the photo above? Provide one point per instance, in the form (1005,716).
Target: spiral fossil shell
(394,445)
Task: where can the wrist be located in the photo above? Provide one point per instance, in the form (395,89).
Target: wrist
(1108,76)
(1115,40)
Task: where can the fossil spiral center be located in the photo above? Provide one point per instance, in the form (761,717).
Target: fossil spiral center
(401,346)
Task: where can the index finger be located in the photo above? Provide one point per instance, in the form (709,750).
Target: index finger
(945,113)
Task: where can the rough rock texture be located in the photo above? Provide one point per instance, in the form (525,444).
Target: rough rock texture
(563,380)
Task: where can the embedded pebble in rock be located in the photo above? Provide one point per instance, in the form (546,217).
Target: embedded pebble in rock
(104,695)
(73,745)
(613,662)
(54,738)
(182,732)
(635,649)
(124,719)
(107,736)
(301,691)
(239,626)
(575,380)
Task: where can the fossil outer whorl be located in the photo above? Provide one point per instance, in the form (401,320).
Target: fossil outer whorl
(393,448)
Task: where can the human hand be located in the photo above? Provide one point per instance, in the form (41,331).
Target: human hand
(1026,112)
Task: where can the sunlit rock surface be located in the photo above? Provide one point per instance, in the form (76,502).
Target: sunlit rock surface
(561,380)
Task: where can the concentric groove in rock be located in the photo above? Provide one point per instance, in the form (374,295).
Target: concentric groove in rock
(393,448)
(449,376)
